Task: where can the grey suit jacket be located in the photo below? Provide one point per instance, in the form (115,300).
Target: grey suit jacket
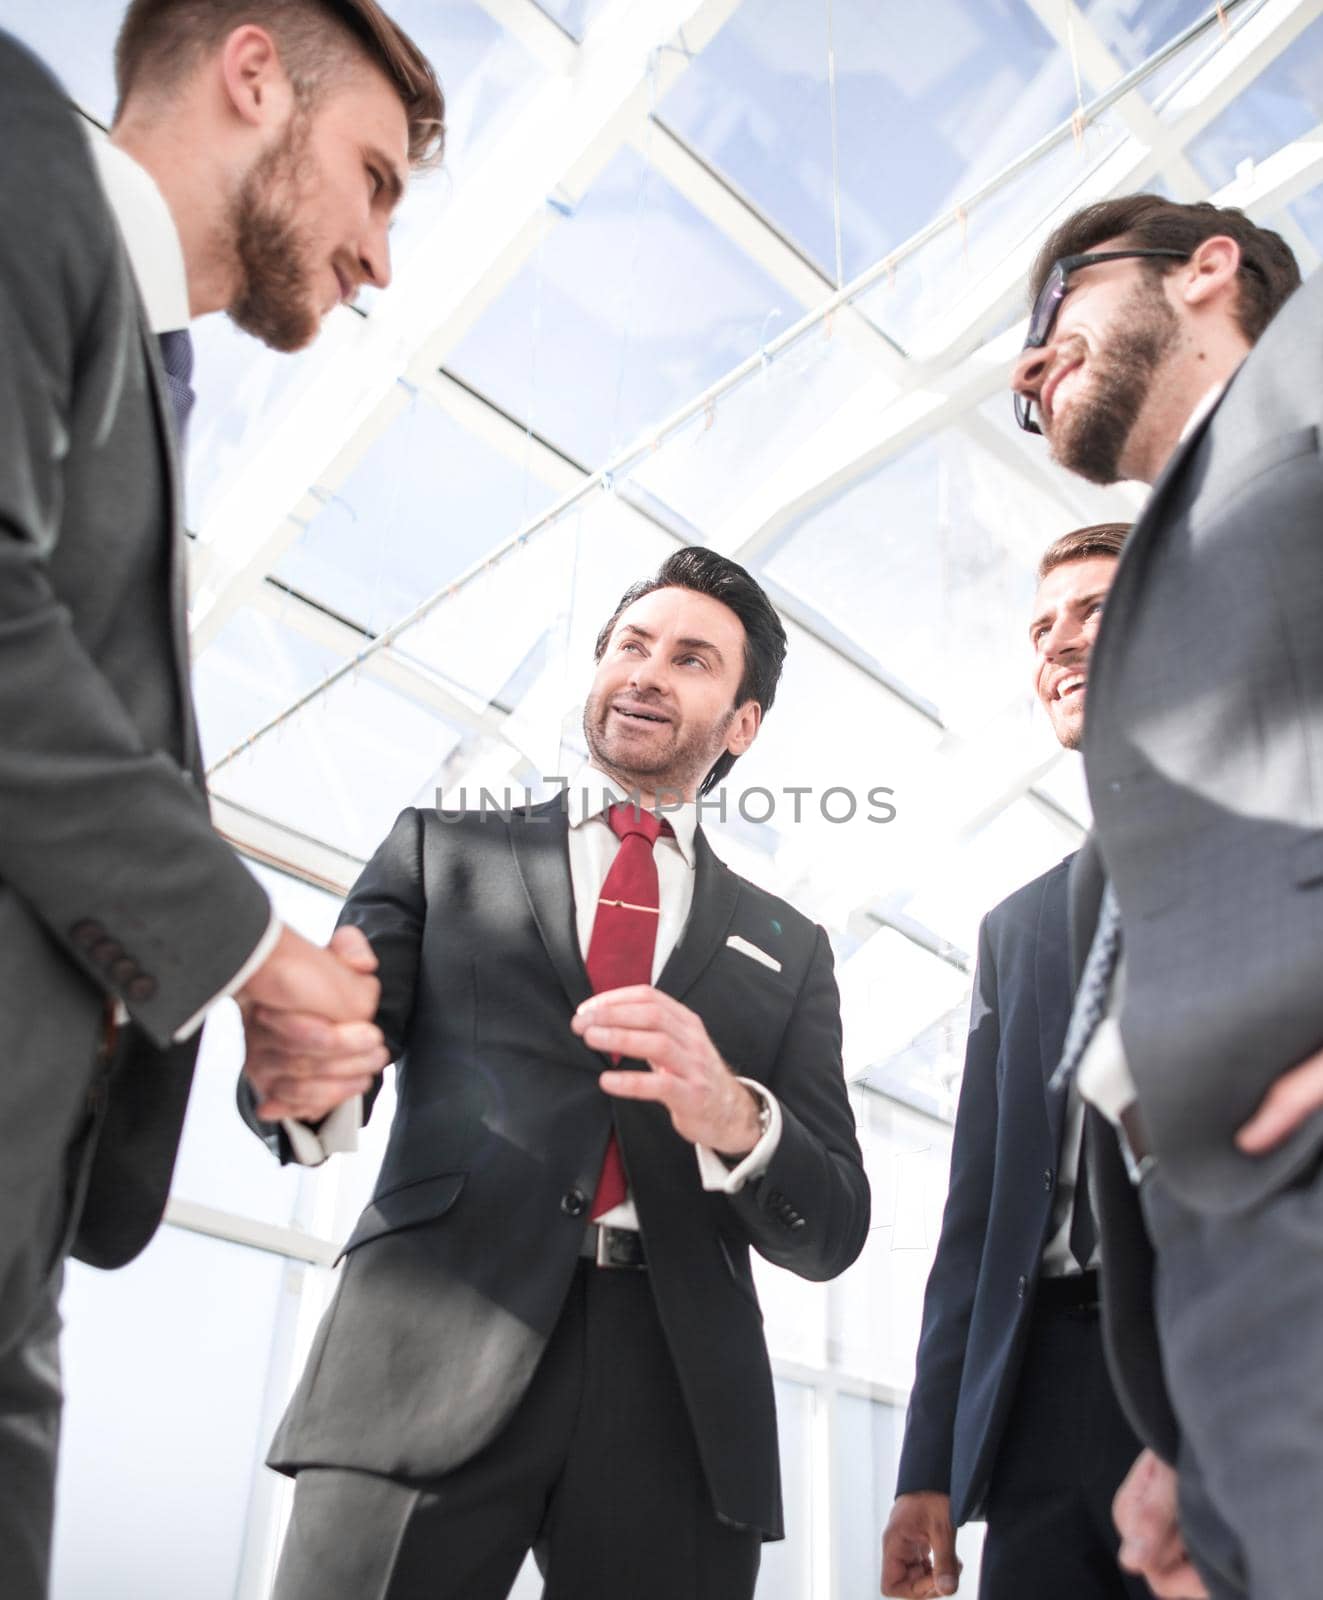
(458,1269)
(1204,754)
(112,882)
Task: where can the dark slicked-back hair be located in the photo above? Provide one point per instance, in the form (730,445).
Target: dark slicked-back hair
(162,41)
(1099,539)
(1268,271)
(706,572)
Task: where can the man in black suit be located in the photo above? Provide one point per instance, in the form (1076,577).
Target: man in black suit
(546,1332)
(240,175)
(1169,344)
(1012,1415)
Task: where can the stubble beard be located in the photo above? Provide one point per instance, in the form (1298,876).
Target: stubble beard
(673,768)
(275,302)
(1092,436)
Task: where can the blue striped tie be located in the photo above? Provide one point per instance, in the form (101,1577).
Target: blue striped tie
(1095,984)
(177,359)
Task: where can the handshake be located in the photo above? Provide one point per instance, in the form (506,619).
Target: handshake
(310,1041)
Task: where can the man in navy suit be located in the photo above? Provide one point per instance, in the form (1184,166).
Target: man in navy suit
(1012,1415)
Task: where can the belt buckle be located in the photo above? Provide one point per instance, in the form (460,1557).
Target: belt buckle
(604,1256)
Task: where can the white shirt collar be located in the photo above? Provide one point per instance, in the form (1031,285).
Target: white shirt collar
(149,233)
(1204,405)
(591,793)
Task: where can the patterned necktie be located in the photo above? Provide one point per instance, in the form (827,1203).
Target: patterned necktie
(622,945)
(177,359)
(1095,986)
(1083,1233)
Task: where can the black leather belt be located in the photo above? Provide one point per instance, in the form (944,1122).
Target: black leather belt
(1075,1291)
(613,1247)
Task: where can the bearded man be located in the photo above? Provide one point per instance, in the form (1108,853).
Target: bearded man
(619,1069)
(256,157)
(1163,347)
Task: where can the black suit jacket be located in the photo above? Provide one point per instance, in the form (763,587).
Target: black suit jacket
(454,1277)
(112,882)
(999,1208)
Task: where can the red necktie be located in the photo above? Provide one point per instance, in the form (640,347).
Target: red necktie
(623,941)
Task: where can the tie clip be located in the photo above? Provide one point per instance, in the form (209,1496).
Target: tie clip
(624,905)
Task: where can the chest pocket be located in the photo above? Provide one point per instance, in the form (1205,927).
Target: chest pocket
(745,1006)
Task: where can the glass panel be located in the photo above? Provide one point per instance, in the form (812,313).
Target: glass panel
(630,306)
(1283,102)
(174,1380)
(877,1304)
(976,85)
(427,501)
(865,1454)
(1133,29)
(575,16)
(787,1568)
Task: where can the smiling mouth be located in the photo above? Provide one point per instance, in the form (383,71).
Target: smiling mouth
(1069,688)
(639,715)
(1048,394)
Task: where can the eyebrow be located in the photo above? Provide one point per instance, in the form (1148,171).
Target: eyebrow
(685,644)
(1083,600)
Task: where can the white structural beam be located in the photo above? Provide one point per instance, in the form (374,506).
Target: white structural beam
(871,428)
(559,142)
(283,848)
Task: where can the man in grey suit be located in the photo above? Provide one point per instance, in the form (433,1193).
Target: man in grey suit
(1160,349)
(256,156)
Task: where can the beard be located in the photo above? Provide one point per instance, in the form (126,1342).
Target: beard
(672,766)
(275,301)
(1091,437)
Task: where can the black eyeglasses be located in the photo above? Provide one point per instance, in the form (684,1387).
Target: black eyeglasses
(1044,315)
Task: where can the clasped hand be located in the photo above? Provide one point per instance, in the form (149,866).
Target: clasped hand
(707,1102)
(310,1040)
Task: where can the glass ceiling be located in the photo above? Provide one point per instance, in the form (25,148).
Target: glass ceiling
(617,326)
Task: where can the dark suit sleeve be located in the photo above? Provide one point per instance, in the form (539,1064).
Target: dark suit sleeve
(809,1211)
(925,1461)
(389,904)
(98,833)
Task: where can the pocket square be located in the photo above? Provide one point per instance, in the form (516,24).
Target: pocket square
(735,942)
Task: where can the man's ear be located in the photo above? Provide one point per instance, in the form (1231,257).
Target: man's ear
(1211,271)
(744,727)
(256,87)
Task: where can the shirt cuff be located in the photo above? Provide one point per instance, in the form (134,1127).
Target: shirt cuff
(265,945)
(337,1135)
(716,1176)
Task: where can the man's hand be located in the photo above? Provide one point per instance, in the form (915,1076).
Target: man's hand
(1145,1514)
(918,1547)
(1291,1101)
(707,1102)
(301,1063)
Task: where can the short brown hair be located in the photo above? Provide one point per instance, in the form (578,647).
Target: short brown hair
(162,41)
(1099,539)
(1268,270)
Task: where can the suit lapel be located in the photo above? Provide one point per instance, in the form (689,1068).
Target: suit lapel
(716,891)
(1054,991)
(178,551)
(539,839)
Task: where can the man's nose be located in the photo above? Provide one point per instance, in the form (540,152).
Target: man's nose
(374,258)
(1029,371)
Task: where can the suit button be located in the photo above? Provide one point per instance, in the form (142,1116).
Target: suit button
(574,1203)
(86,934)
(105,952)
(1047,1180)
(140,988)
(1022,1287)
(123,970)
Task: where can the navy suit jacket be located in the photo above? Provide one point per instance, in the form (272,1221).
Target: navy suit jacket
(999,1208)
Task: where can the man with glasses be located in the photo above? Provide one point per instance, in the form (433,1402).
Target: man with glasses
(1199,899)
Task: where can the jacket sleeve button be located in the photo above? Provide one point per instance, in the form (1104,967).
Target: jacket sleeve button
(140,988)
(574,1203)
(1047,1180)
(1022,1287)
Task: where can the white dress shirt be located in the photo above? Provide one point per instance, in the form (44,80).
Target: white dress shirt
(1104,1075)
(157,257)
(592,848)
